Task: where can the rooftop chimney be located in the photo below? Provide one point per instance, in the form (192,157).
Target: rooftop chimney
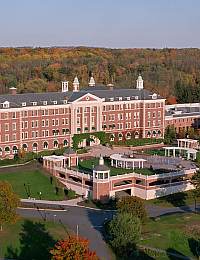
(13,90)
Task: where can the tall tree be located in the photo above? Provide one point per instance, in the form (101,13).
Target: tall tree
(132,205)
(124,232)
(195,180)
(73,248)
(9,201)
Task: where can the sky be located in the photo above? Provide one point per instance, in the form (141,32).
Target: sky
(100,23)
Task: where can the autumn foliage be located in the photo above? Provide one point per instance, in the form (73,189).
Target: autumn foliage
(73,248)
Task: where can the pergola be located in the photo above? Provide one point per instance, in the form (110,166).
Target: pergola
(188,143)
(122,161)
(191,153)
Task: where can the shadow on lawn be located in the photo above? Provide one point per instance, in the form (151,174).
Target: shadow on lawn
(35,243)
(173,254)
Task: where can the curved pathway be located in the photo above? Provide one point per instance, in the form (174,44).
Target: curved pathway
(89,222)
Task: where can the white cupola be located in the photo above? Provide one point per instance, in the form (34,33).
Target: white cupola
(76,84)
(91,82)
(64,86)
(139,82)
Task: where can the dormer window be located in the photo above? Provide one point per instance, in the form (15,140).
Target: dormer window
(55,102)
(128,98)
(44,103)
(34,103)
(136,97)
(120,98)
(112,99)
(64,101)
(154,96)
(23,104)
(6,104)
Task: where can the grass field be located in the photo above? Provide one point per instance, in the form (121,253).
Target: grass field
(33,182)
(173,233)
(30,239)
(90,163)
(174,200)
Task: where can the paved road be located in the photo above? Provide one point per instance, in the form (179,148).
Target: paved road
(90,222)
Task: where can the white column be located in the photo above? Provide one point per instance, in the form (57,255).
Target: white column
(133,165)
(188,155)
(165,152)
(112,162)
(142,164)
(174,152)
(139,164)
(116,163)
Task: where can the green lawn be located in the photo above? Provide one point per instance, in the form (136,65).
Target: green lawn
(88,166)
(172,233)
(160,152)
(174,200)
(35,181)
(30,239)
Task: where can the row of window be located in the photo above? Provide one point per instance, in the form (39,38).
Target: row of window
(34,147)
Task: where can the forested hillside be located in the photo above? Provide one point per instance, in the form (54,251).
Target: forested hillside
(167,71)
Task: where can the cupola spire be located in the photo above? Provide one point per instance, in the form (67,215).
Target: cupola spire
(139,82)
(75,84)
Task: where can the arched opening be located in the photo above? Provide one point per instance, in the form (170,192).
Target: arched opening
(137,135)
(45,145)
(159,133)
(112,137)
(55,144)
(128,135)
(154,133)
(1,151)
(7,149)
(15,149)
(65,143)
(120,136)
(148,134)
(25,147)
(35,146)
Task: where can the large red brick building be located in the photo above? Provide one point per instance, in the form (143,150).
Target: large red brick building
(41,121)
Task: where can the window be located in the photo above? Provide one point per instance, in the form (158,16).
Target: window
(128,135)
(15,149)
(78,120)
(159,114)
(34,103)
(55,102)
(6,138)
(104,118)
(44,103)
(55,144)
(45,145)
(65,143)
(149,114)
(14,115)
(6,127)
(23,104)
(43,123)
(148,124)
(14,137)
(120,136)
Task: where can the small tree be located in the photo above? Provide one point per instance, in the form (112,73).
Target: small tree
(9,201)
(124,232)
(170,134)
(132,205)
(195,180)
(73,248)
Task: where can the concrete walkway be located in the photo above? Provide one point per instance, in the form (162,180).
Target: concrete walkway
(73,202)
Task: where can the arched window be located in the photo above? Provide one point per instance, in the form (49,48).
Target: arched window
(55,144)
(15,149)
(35,145)
(45,145)
(120,136)
(136,134)
(7,149)
(1,151)
(25,147)
(148,134)
(112,137)
(159,133)
(128,135)
(154,133)
(65,143)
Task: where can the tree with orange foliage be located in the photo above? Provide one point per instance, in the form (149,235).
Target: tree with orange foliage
(73,248)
